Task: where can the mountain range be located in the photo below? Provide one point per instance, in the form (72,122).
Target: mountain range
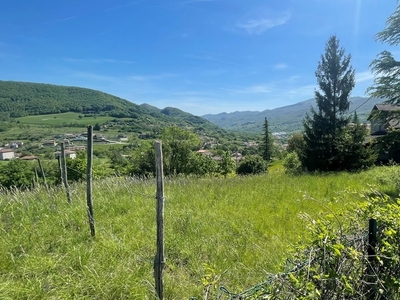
(283,119)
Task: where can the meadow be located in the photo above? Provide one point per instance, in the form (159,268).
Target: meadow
(63,118)
(230,232)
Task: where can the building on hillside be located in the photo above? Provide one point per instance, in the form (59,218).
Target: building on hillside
(49,143)
(380,124)
(68,154)
(250,144)
(75,148)
(205,152)
(16,144)
(98,137)
(80,138)
(217,158)
(237,157)
(67,142)
(6,154)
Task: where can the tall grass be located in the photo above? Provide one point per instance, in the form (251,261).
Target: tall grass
(235,231)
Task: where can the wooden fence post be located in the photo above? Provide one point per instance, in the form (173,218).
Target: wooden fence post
(371,272)
(43,174)
(372,239)
(60,169)
(89,168)
(65,178)
(159,260)
(36,180)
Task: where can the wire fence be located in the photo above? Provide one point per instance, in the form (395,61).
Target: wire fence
(263,289)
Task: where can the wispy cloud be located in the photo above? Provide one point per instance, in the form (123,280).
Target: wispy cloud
(211,58)
(151,77)
(254,89)
(256,26)
(280,66)
(305,91)
(281,90)
(98,61)
(364,76)
(67,19)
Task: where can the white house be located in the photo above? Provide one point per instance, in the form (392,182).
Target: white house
(68,154)
(6,153)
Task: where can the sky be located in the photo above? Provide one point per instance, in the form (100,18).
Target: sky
(201,56)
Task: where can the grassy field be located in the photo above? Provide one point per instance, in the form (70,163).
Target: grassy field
(64,118)
(235,230)
(36,129)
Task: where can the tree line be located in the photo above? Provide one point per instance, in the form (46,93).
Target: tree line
(180,153)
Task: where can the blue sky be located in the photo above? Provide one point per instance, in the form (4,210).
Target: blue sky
(201,56)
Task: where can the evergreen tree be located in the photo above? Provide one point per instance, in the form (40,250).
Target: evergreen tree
(267,142)
(97,127)
(227,164)
(324,129)
(355,153)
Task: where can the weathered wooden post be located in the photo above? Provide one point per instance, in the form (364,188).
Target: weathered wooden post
(89,168)
(44,175)
(65,178)
(371,272)
(159,260)
(372,239)
(36,179)
(60,169)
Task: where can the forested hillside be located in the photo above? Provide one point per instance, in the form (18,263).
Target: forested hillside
(24,98)
(19,99)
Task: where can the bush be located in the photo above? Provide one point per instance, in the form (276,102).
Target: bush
(16,173)
(252,165)
(292,164)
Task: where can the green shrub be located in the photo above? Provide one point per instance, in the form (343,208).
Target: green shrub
(336,262)
(292,164)
(252,165)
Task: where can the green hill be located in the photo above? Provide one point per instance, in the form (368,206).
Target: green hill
(18,99)
(21,99)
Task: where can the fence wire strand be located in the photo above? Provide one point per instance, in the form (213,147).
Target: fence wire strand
(261,290)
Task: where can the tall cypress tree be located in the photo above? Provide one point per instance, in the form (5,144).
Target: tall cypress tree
(267,142)
(324,128)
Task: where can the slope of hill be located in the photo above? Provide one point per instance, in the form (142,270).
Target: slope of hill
(288,118)
(25,98)
(18,99)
